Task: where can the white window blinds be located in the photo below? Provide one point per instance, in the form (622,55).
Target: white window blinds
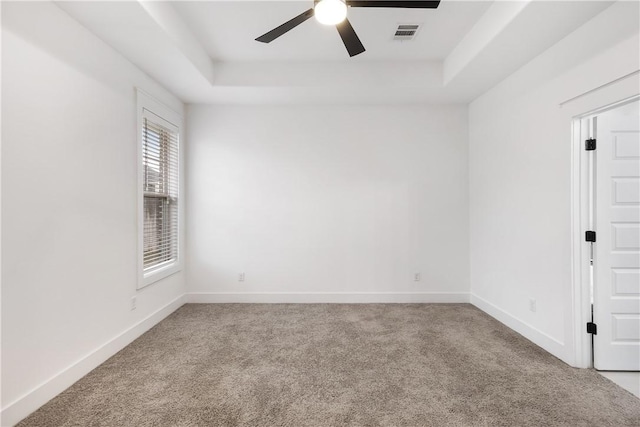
(160,192)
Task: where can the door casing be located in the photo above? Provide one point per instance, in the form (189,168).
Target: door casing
(581,219)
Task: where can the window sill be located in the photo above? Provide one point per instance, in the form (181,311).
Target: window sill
(158,274)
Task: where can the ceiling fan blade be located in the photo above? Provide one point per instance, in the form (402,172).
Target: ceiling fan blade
(287,26)
(350,38)
(407,4)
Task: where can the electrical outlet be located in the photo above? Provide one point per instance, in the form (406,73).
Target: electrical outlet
(133,303)
(416,277)
(241,277)
(532,305)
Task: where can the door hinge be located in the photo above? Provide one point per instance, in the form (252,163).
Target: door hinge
(590,144)
(592,328)
(590,236)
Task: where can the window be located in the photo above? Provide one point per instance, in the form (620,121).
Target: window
(160,213)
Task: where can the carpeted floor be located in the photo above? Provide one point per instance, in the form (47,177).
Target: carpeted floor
(333,365)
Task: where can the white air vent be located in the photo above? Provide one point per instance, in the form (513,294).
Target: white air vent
(406,31)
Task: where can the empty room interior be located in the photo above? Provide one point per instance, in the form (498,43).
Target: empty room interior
(320,213)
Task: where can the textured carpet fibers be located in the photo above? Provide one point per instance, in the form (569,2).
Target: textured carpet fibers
(333,365)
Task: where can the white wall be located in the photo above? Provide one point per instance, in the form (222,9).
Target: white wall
(520,176)
(68,206)
(327,204)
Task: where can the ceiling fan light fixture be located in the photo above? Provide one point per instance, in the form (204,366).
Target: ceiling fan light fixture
(330,12)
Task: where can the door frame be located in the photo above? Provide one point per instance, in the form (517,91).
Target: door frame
(609,99)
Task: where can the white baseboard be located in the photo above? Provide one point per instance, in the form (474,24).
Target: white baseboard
(25,405)
(327,297)
(534,335)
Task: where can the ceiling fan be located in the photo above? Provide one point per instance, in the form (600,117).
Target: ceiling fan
(334,12)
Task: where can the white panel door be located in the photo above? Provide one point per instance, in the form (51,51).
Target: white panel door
(616,299)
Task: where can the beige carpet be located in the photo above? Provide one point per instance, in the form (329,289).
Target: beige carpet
(334,365)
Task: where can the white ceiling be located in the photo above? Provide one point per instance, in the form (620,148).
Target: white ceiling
(227,31)
(205,52)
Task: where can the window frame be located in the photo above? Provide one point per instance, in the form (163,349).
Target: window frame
(150,108)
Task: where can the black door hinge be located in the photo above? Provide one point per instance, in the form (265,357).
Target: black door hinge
(592,328)
(590,144)
(590,236)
